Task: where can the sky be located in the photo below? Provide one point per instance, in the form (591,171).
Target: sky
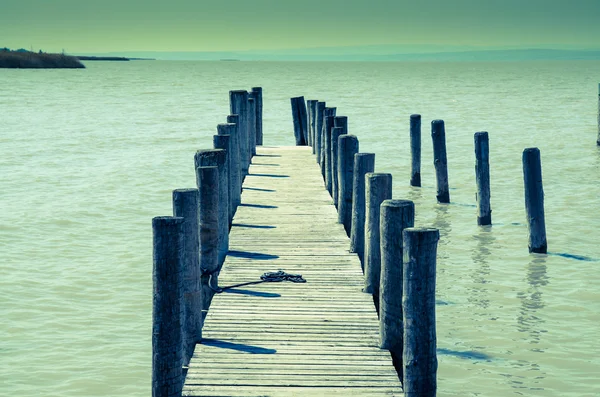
(93,26)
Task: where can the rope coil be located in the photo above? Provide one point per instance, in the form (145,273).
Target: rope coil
(268,277)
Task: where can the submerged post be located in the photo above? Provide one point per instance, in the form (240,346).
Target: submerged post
(217,157)
(396,215)
(438,135)
(310,107)
(419,358)
(258,100)
(378,189)
(224,142)
(348,147)
(534,200)
(207,179)
(185,205)
(299,118)
(482,177)
(336,133)
(318,130)
(364,163)
(167,354)
(415,150)
(238,103)
(252,127)
(235,166)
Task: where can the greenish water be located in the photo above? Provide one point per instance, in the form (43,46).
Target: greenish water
(88,157)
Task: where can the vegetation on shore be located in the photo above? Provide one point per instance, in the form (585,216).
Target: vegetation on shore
(23,59)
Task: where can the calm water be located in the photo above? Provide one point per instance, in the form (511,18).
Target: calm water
(88,157)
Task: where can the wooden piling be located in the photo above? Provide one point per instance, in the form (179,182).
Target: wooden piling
(318,130)
(207,179)
(167,353)
(364,163)
(482,177)
(336,133)
(236,133)
(185,205)
(217,157)
(310,108)
(341,122)
(534,200)
(235,166)
(258,100)
(378,188)
(252,127)
(326,152)
(415,149)
(418,306)
(300,120)
(327,112)
(438,136)
(396,215)
(348,147)
(238,103)
(224,142)
(312,113)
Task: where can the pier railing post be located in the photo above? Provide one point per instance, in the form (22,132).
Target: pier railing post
(415,150)
(348,147)
(440,162)
(482,177)
(327,126)
(534,200)
(234,119)
(327,131)
(319,129)
(258,100)
(167,353)
(396,215)
(224,142)
(207,179)
(217,157)
(336,133)
(235,166)
(311,115)
(238,103)
(185,205)
(364,163)
(300,120)
(252,127)
(378,188)
(419,357)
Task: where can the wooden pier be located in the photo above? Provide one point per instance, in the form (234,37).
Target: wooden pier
(317,338)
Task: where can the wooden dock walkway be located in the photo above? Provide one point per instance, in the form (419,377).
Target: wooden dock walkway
(318,338)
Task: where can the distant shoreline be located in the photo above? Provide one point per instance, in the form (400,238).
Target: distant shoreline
(34,60)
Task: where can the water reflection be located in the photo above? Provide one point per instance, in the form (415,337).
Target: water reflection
(442,222)
(529,320)
(481,271)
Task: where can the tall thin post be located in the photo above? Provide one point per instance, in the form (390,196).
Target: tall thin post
(418,306)
(318,130)
(224,142)
(534,200)
(167,353)
(327,112)
(364,163)
(300,120)
(258,100)
(236,133)
(235,167)
(185,205)
(348,147)
(440,162)
(336,133)
(482,177)
(217,157)
(326,165)
(415,149)
(252,127)
(396,215)
(598,139)
(207,179)
(238,103)
(378,189)
(310,108)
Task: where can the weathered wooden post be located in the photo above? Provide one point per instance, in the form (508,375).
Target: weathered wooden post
(364,163)
(310,108)
(318,130)
(348,147)
(482,177)
(341,122)
(438,135)
(185,205)
(217,157)
(534,200)
(312,113)
(207,179)
(167,354)
(252,127)
(258,100)
(336,133)
(415,149)
(327,112)
(300,120)
(224,142)
(419,358)
(238,103)
(326,166)
(378,188)
(235,166)
(396,215)
(236,133)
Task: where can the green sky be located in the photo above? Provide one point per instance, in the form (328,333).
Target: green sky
(199,25)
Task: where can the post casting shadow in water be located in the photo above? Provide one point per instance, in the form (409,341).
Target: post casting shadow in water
(238,346)
(270,175)
(259,189)
(468,354)
(252,293)
(252,255)
(573,256)
(258,206)
(253,226)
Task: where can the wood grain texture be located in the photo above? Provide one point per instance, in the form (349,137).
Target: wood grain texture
(285,339)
